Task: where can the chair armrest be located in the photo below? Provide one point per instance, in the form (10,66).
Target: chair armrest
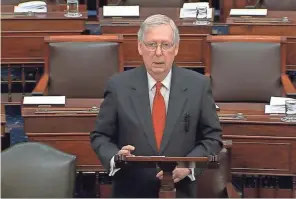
(231,192)
(289,88)
(41,86)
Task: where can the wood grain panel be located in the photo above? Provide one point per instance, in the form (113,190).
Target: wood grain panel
(72,144)
(263,154)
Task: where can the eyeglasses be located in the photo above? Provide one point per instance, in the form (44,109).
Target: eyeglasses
(152,46)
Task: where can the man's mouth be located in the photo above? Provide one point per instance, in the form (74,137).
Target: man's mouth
(161,62)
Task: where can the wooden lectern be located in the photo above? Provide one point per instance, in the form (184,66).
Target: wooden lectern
(167,165)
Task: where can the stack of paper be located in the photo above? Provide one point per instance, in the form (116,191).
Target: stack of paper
(276,105)
(189,10)
(31,6)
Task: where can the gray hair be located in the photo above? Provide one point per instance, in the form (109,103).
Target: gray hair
(156,20)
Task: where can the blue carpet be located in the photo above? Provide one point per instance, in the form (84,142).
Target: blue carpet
(15,124)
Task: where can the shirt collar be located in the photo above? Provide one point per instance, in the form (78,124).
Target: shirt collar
(166,82)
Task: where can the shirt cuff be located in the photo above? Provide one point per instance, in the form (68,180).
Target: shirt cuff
(191,175)
(113,170)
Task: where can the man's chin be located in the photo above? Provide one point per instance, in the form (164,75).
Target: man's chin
(158,69)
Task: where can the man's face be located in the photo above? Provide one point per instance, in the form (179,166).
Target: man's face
(158,49)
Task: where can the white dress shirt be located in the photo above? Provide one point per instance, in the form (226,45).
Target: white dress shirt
(165,91)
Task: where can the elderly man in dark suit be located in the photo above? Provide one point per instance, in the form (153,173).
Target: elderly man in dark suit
(156,109)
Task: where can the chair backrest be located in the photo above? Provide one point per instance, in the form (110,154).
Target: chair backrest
(212,182)
(278,5)
(80,66)
(245,68)
(153,3)
(30,170)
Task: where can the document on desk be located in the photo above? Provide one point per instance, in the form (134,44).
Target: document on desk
(248,12)
(44,100)
(189,10)
(279,101)
(269,109)
(276,105)
(25,10)
(121,11)
(186,13)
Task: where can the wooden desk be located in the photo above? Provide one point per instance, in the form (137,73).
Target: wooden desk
(22,36)
(262,143)
(192,36)
(256,140)
(67,132)
(268,26)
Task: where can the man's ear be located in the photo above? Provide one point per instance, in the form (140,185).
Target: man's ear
(176,49)
(140,48)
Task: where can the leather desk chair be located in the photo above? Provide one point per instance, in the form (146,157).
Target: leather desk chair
(79,66)
(31,170)
(247,68)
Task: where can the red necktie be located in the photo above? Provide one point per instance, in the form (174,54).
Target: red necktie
(158,114)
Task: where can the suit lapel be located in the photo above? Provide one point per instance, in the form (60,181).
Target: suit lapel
(177,102)
(140,98)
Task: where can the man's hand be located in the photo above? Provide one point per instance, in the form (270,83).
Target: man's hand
(178,174)
(126,150)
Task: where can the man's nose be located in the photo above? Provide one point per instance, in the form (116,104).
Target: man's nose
(158,50)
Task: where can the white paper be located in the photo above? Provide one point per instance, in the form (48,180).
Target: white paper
(274,109)
(190,13)
(121,11)
(44,100)
(18,9)
(279,101)
(248,12)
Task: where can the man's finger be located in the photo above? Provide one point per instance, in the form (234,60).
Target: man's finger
(159,175)
(176,180)
(128,147)
(124,152)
